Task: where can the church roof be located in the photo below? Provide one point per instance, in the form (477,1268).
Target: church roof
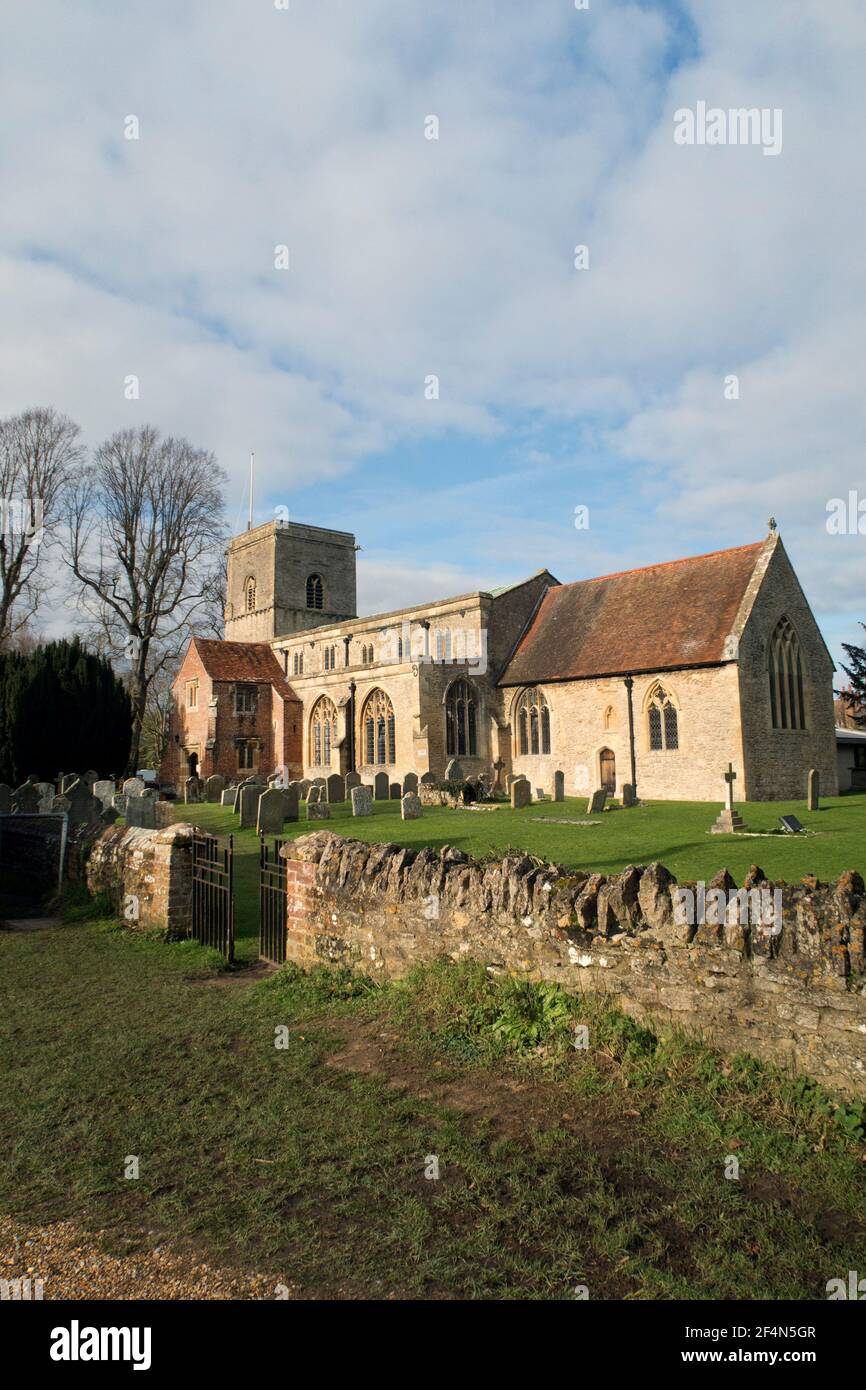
(251,662)
(658,618)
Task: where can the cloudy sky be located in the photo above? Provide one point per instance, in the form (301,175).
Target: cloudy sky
(306,127)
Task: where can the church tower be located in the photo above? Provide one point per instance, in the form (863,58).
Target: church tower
(285,577)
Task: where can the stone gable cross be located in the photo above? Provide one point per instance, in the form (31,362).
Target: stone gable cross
(730,778)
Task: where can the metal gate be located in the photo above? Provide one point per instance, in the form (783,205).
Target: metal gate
(213,904)
(272,903)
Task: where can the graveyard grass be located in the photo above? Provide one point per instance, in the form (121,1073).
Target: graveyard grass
(673,832)
(558,1167)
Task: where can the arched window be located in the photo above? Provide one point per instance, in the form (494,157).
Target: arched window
(662,720)
(785,670)
(315,591)
(330,658)
(533,723)
(379,729)
(298,664)
(366,656)
(250,587)
(443,644)
(610,720)
(460,721)
(323,732)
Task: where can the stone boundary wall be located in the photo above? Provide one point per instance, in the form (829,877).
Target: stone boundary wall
(152,866)
(797,998)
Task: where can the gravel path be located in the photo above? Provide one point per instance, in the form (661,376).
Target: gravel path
(71,1265)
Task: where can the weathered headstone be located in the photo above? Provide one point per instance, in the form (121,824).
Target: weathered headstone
(395,791)
(5,799)
(814,788)
(728,820)
(559,786)
(454,772)
(305,788)
(410,782)
(133,786)
(410,806)
(314,796)
(362,801)
(214,787)
(380,786)
(192,790)
(497,787)
(290,801)
(318,810)
(246,782)
(67,781)
(118,801)
(521,793)
(271,811)
(47,792)
(628,796)
(353,779)
(336,788)
(427,779)
(105,790)
(540,794)
(83,806)
(249,804)
(228,796)
(141,812)
(597,802)
(61,803)
(25,799)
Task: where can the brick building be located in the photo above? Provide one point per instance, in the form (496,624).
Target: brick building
(674,670)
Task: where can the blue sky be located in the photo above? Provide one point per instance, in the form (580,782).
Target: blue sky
(408,257)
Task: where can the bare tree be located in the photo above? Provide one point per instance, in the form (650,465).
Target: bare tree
(145,518)
(39,454)
(216,588)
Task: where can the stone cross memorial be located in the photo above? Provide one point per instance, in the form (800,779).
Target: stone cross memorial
(728,820)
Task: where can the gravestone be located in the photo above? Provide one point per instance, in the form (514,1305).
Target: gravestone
(559,786)
(228,796)
(47,793)
(395,791)
(336,788)
(540,794)
(410,782)
(67,781)
(90,777)
(245,782)
(105,790)
(497,788)
(728,820)
(83,806)
(118,801)
(305,788)
(510,778)
(214,787)
(353,779)
(61,803)
(454,772)
(271,811)
(192,790)
(628,796)
(25,799)
(362,801)
(318,810)
(410,806)
(249,804)
(5,799)
(597,802)
(290,801)
(814,788)
(790,825)
(380,786)
(141,812)
(427,779)
(521,793)
(470,793)
(108,815)
(314,796)
(133,786)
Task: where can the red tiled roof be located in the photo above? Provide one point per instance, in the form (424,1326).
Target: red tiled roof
(253,662)
(653,619)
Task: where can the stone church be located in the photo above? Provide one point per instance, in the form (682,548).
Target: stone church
(658,677)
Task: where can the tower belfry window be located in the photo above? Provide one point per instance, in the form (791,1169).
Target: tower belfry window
(251,595)
(315,591)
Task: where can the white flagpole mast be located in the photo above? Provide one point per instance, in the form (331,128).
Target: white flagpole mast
(250,522)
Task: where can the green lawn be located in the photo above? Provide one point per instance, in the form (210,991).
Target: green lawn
(675,832)
(601,1167)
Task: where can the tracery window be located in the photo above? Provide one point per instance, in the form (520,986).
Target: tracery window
(323,732)
(298,664)
(785,670)
(379,729)
(533,722)
(315,591)
(663,721)
(460,720)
